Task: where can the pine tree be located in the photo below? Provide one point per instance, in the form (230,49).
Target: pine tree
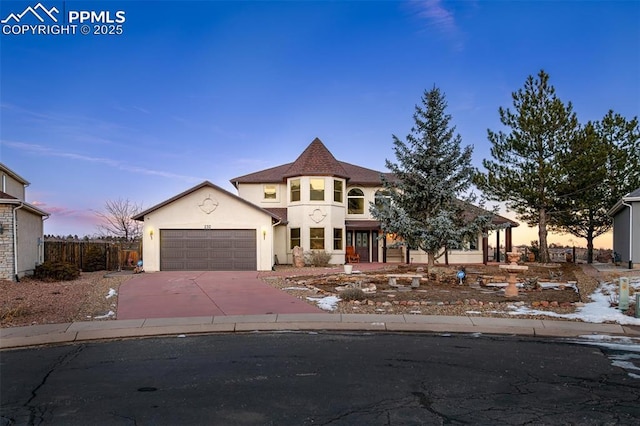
(527,171)
(601,165)
(432,173)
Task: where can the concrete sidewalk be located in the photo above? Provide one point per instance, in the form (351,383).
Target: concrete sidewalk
(134,328)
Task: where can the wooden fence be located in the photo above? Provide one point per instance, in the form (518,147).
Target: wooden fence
(116,255)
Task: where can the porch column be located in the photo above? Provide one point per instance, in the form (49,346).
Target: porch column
(496,254)
(485,249)
(507,242)
(384,249)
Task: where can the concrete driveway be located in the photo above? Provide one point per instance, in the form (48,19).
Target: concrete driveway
(194,294)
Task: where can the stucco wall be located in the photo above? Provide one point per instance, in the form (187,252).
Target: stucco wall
(621,234)
(11,186)
(280,238)
(224,212)
(625,232)
(30,240)
(317,215)
(254,193)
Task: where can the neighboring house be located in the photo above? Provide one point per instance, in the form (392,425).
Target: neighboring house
(626,228)
(315,202)
(21,228)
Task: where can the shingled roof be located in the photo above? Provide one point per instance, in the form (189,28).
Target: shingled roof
(5,196)
(315,160)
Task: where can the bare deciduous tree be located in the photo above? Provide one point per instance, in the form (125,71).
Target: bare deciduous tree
(117,220)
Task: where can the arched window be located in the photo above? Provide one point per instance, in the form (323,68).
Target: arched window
(355,199)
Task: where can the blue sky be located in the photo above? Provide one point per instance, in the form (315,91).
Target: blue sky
(213,90)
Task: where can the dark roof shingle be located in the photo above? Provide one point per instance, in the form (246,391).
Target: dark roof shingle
(316,160)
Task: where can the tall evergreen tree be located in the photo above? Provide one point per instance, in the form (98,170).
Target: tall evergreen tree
(432,173)
(526,171)
(601,165)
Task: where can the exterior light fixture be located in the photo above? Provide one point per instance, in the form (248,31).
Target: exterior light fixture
(151,234)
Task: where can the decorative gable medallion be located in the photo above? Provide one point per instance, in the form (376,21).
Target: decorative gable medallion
(208,205)
(317,216)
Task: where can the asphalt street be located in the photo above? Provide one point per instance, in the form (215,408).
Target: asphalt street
(324,378)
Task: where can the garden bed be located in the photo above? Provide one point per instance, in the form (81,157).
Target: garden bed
(554,287)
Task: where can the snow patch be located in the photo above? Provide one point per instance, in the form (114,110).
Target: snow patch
(328,303)
(599,310)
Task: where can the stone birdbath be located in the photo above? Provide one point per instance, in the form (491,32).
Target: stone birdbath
(512,269)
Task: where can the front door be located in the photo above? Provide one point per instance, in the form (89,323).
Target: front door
(362,245)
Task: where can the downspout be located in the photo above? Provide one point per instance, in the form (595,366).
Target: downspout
(273,233)
(630,233)
(15,241)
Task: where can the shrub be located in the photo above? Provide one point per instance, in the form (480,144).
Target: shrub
(352,294)
(95,259)
(56,271)
(14,313)
(317,258)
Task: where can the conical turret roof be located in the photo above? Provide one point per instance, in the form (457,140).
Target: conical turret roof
(316,160)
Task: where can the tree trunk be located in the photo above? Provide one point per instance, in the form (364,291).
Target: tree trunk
(542,236)
(431,260)
(590,248)
(590,239)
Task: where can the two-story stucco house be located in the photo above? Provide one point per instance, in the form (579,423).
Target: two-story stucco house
(21,228)
(316,202)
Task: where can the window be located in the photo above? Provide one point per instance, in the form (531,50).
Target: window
(269,192)
(382,198)
(355,200)
(337,191)
(471,244)
(316,189)
(295,237)
(316,238)
(337,238)
(295,190)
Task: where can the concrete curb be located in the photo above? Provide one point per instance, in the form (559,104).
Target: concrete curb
(49,334)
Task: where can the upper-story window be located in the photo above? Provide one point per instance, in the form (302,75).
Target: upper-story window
(382,197)
(295,190)
(269,192)
(337,191)
(316,189)
(355,199)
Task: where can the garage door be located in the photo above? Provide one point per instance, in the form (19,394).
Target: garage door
(208,250)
